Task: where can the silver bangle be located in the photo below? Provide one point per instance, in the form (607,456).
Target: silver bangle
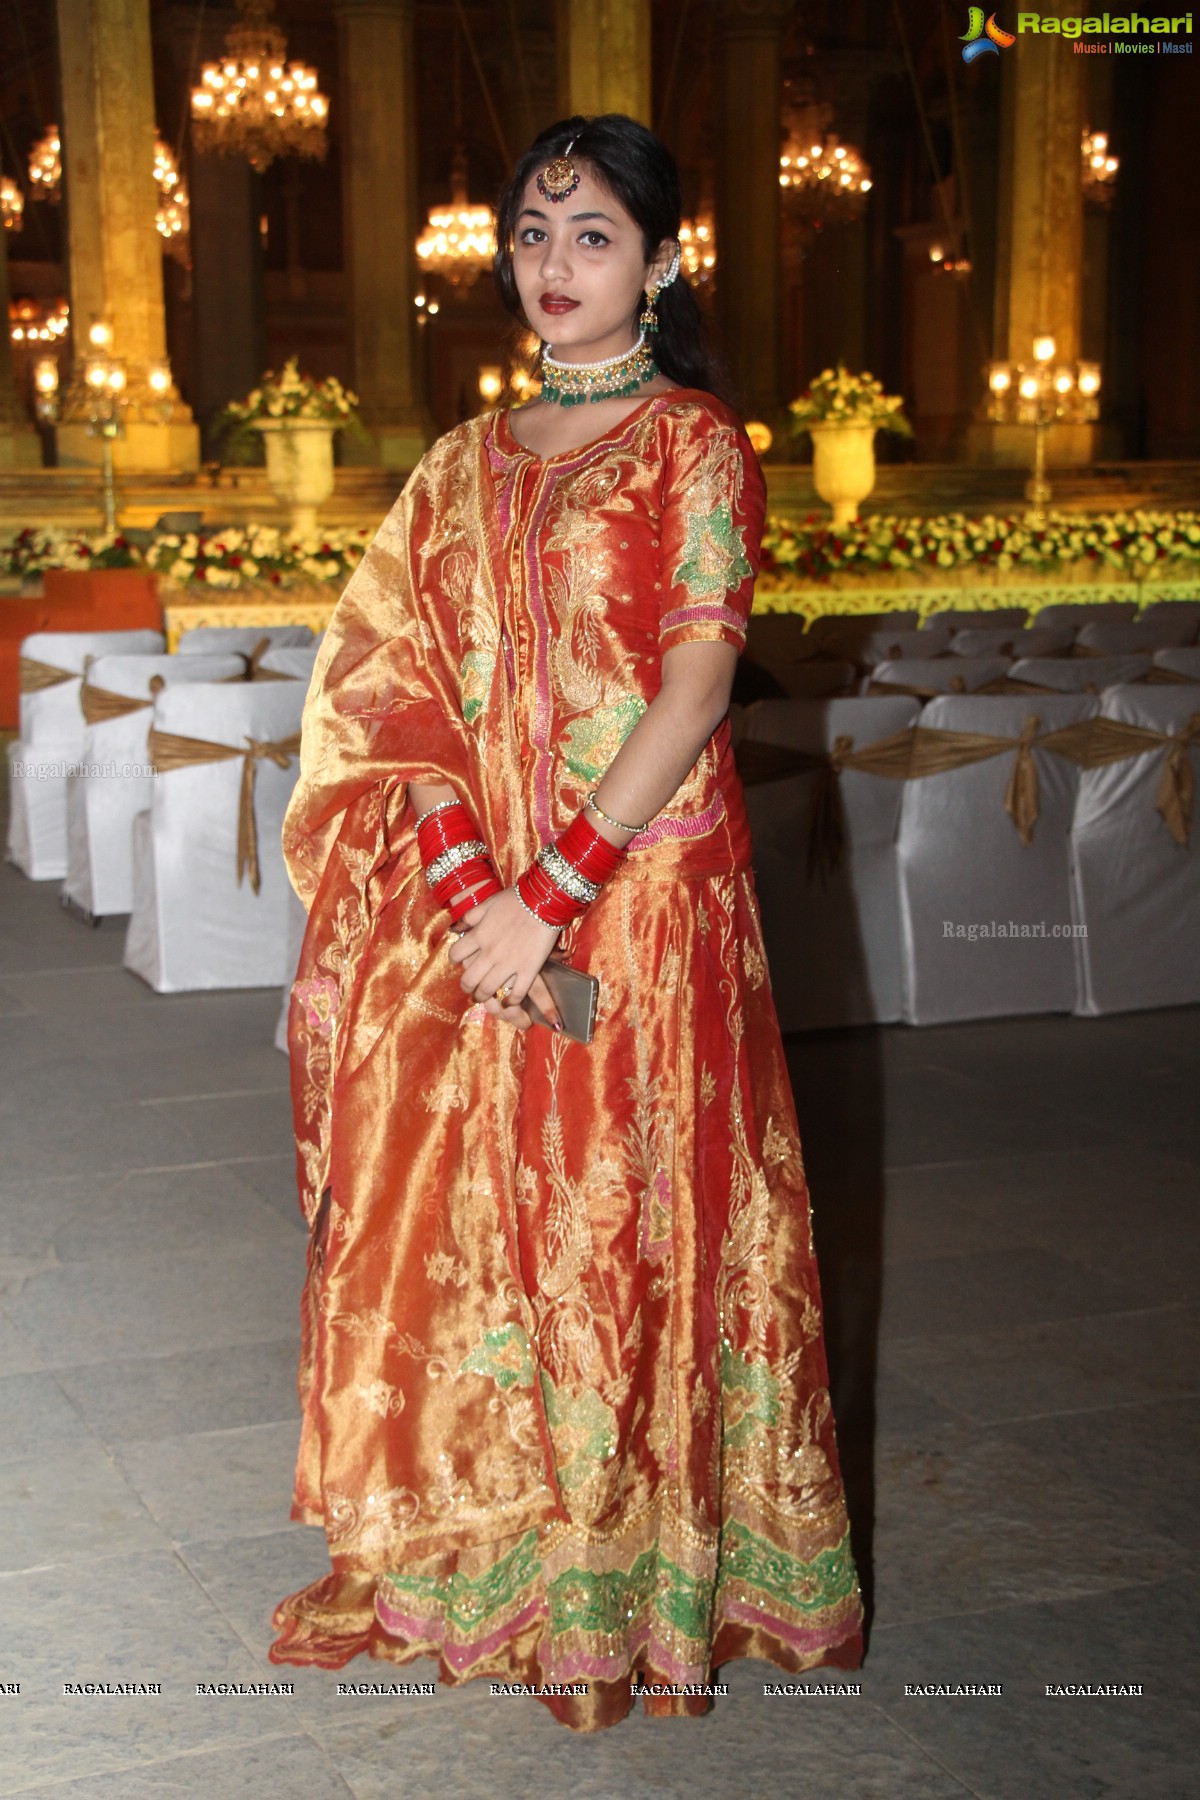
(453,858)
(596,808)
(429,811)
(565,875)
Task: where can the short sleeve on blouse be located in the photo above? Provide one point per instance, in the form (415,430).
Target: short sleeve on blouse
(713,503)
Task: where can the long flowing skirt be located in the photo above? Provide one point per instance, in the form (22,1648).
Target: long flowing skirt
(566,1408)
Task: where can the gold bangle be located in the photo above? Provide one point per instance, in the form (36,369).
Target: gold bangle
(596,808)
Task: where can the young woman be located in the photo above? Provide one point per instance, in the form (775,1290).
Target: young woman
(566,1418)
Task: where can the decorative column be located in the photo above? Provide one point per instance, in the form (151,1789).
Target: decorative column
(749,241)
(19,445)
(114,248)
(604,57)
(379,161)
(1039,230)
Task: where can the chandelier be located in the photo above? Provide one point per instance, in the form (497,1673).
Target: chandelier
(825,178)
(12,204)
(172,217)
(253,103)
(38,322)
(459,240)
(698,250)
(45,166)
(1099,168)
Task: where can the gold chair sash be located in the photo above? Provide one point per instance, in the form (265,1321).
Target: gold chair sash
(34,675)
(172,750)
(252,660)
(922,750)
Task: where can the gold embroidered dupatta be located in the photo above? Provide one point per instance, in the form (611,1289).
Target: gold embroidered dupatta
(411,1129)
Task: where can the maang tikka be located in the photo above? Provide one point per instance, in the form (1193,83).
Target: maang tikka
(649,318)
(560,177)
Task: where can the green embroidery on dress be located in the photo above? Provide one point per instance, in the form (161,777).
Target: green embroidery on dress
(584,1430)
(714,557)
(750,1560)
(749,1396)
(609,1600)
(505,1354)
(469,1601)
(592,742)
(474,681)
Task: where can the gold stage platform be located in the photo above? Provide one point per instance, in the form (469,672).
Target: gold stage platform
(72,499)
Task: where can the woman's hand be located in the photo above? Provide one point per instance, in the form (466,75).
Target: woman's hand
(505,943)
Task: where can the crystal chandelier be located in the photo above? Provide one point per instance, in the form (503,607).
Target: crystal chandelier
(252,103)
(825,178)
(172,216)
(12,204)
(45,166)
(1099,168)
(698,250)
(459,241)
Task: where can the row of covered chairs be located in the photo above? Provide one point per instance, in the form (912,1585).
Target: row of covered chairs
(935,906)
(155,785)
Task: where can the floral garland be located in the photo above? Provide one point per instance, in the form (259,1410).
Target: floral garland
(1130,543)
(837,397)
(254,558)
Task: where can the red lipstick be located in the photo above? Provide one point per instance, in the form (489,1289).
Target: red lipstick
(557,303)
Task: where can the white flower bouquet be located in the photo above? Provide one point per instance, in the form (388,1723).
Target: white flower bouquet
(837,397)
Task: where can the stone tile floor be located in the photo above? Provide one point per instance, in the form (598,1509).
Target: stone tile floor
(1006,1218)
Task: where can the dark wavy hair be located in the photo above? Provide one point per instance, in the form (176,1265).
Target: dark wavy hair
(638,169)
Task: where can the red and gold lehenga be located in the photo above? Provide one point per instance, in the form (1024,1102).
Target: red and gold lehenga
(566,1418)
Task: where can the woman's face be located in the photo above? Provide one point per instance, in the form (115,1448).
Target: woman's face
(580,269)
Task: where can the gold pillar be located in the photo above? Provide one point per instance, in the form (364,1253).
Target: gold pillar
(1039,228)
(604,57)
(379,190)
(19,446)
(749,241)
(115,251)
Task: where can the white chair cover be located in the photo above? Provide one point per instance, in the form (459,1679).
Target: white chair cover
(1080,674)
(946,674)
(966,618)
(882,646)
(1078,612)
(1180,662)
(295,661)
(995,640)
(297,921)
(225,640)
(1136,889)
(833,946)
(961,861)
(115,777)
(1100,639)
(51,742)
(1170,609)
(192,924)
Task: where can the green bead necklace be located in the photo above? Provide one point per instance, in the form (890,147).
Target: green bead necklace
(570,384)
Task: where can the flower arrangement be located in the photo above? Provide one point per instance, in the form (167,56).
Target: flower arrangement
(255,558)
(837,397)
(283,397)
(1130,543)
(291,395)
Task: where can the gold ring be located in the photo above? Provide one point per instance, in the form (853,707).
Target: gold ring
(502,992)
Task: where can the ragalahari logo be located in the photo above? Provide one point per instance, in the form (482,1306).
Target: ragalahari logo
(980,39)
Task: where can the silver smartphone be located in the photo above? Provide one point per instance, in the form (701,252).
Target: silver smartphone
(575,993)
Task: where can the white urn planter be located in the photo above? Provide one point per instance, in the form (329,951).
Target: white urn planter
(299,466)
(843,466)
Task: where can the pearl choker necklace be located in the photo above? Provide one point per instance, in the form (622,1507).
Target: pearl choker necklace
(569,384)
